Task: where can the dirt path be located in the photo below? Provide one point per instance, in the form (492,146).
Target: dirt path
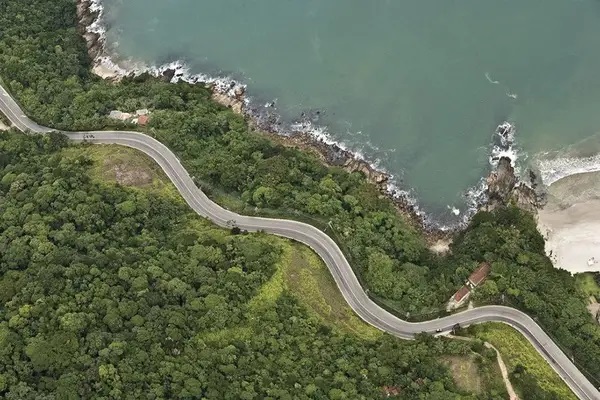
(509,388)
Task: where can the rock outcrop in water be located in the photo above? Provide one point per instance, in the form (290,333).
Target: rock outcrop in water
(501,183)
(503,188)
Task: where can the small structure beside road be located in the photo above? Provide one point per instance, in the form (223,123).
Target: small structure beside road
(475,279)
(479,275)
(142,120)
(141,117)
(121,116)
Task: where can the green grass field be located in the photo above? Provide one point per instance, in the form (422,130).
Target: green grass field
(307,277)
(515,350)
(588,285)
(125,166)
(478,373)
(466,373)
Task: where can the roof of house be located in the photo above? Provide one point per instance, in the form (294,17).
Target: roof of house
(116,114)
(461,293)
(480,274)
(143,119)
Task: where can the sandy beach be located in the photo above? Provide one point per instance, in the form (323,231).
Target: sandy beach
(570,222)
(106,71)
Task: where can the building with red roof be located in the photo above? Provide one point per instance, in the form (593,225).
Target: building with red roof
(475,279)
(480,274)
(459,298)
(461,293)
(143,120)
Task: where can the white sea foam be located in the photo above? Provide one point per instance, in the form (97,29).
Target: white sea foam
(499,152)
(475,197)
(321,134)
(506,132)
(490,80)
(506,148)
(551,170)
(97,26)
(454,210)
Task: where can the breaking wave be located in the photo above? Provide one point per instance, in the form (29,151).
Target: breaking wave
(551,170)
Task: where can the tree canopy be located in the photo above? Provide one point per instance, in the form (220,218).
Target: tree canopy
(115,293)
(43,61)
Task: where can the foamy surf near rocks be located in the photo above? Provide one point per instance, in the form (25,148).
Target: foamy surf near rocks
(504,187)
(88,15)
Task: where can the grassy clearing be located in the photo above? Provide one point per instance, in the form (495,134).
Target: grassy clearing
(270,291)
(307,277)
(516,350)
(303,274)
(127,167)
(465,372)
(588,285)
(477,373)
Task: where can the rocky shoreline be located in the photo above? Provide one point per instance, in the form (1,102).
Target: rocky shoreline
(87,16)
(503,186)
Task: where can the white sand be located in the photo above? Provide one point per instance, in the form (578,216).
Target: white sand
(105,71)
(571,222)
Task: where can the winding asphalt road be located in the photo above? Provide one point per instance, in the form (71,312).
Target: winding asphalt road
(327,249)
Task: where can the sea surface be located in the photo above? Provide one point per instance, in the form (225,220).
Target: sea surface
(415,87)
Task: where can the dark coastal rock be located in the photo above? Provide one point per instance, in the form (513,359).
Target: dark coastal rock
(503,188)
(334,155)
(86,17)
(377,177)
(240,91)
(95,44)
(168,74)
(501,182)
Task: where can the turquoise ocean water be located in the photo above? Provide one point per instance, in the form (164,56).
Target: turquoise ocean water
(417,87)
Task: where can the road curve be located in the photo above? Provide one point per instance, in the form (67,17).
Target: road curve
(325,247)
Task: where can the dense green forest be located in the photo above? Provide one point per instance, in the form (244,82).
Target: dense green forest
(114,293)
(43,61)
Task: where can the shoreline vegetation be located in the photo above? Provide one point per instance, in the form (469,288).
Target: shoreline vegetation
(390,255)
(502,185)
